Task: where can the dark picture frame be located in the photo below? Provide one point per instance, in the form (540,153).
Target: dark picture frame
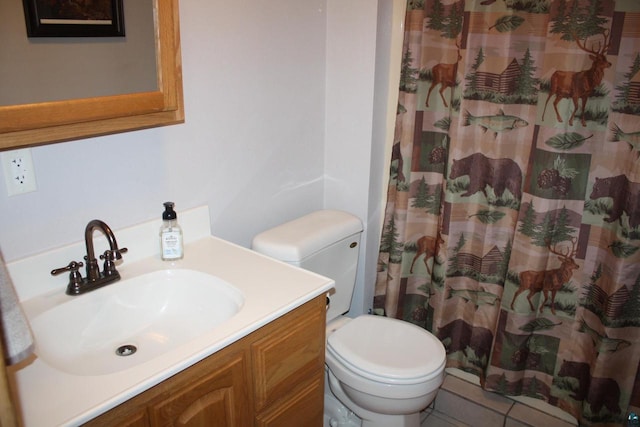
(74,18)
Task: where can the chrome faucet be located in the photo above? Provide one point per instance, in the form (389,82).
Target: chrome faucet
(95,279)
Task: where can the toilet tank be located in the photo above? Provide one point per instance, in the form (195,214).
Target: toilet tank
(326,242)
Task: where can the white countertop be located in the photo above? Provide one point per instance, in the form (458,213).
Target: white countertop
(49,397)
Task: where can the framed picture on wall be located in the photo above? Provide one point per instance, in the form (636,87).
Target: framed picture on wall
(74,18)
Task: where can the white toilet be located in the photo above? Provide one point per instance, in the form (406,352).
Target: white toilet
(384,370)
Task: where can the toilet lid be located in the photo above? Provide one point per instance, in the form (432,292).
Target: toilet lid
(385,349)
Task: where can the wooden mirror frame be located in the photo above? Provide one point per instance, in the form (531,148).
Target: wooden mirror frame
(49,122)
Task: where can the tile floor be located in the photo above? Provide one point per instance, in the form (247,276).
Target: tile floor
(462,404)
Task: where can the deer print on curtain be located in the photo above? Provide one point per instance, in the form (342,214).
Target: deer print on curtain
(512,225)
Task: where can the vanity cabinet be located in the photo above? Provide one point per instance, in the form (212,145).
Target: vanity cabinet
(272,377)
(218,398)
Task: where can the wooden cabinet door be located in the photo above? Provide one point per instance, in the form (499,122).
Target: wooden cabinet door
(288,367)
(139,419)
(304,407)
(218,398)
(125,415)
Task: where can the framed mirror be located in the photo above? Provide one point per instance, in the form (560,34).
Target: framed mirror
(37,123)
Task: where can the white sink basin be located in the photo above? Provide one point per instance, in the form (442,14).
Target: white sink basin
(132,321)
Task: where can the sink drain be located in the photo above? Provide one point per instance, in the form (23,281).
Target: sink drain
(126,350)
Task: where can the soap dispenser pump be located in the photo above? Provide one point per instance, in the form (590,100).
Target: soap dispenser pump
(171,248)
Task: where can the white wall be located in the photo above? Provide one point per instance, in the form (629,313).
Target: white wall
(351,49)
(279,100)
(364,43)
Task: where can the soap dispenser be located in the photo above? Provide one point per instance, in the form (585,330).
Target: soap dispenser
(171,248)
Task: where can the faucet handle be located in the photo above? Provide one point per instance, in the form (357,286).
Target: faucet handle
(117,253)
(109,256)
(75,278)
(73,267)
(109,267)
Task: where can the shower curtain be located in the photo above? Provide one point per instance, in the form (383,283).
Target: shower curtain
(512,221)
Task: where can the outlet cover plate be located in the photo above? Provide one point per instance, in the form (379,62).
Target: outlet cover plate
(19,173)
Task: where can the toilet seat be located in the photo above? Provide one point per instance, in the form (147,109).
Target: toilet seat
(387,350)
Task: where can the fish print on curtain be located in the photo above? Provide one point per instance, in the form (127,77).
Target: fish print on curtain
(512,225)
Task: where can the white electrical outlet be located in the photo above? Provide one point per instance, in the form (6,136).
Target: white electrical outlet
(19,174)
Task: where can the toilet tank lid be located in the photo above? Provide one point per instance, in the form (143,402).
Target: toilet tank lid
(295,240)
